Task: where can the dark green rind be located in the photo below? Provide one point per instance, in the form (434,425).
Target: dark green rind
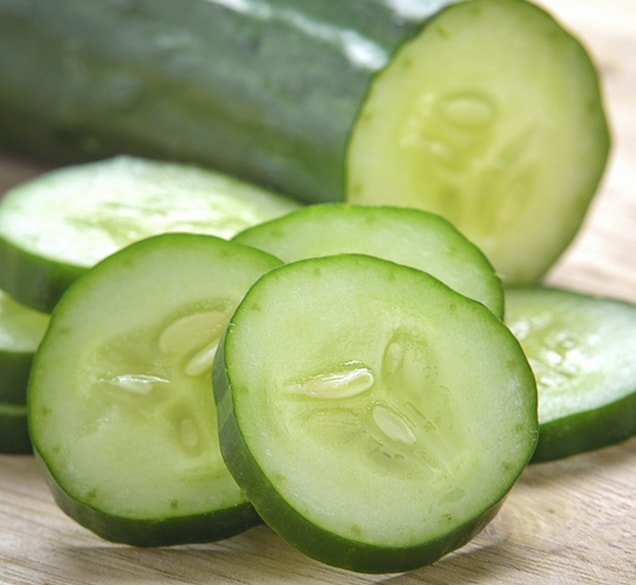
(21,330)
(14,431)
(154,532)
(36,281)
(15,368)
(195,80)
(587,431)
(323,545)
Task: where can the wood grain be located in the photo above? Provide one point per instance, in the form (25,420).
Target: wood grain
(569,522)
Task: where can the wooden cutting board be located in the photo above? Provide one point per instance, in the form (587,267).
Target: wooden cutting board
(569,522)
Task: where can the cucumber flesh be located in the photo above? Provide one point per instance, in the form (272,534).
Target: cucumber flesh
(406,236)
(121,412)
(581,348)
(21,330)
(374,417)
(103,206)
(492,116)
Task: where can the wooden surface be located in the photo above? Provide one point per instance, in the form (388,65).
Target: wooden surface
(569,522)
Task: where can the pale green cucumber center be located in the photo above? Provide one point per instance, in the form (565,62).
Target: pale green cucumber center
(390,433)
(21,328)
(82,214)
(147,444)
(491,118)
(388,416)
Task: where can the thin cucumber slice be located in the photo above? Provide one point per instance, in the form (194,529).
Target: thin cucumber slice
(14,432)
(374,417)
(120,407)
(56,226)
(407,236)
(21,330)
(492,116)
(581,348)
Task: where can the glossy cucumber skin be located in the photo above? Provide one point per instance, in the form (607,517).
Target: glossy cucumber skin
(269,92)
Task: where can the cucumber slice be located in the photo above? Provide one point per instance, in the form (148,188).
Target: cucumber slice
(14,432)
(21,330)
(103,206)
(378,426)
(120,407)
(581,348)
(492,117)
(407,236)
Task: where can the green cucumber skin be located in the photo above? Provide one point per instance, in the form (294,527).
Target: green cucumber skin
(15,368)
(196,80)
(38,282)
(14,430)
(338,550)
(587,431)
(158,531)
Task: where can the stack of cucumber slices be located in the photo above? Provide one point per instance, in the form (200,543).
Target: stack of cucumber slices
(55,227)
(314,368)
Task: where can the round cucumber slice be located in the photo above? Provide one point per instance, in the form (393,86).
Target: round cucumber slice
(492,116)
(581,348)
(14,432)
(56,226)
(406,236)
(21,330)
(374,417)
(120,407)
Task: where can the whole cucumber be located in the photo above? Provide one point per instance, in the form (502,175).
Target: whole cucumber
(267,89)
(485,111)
